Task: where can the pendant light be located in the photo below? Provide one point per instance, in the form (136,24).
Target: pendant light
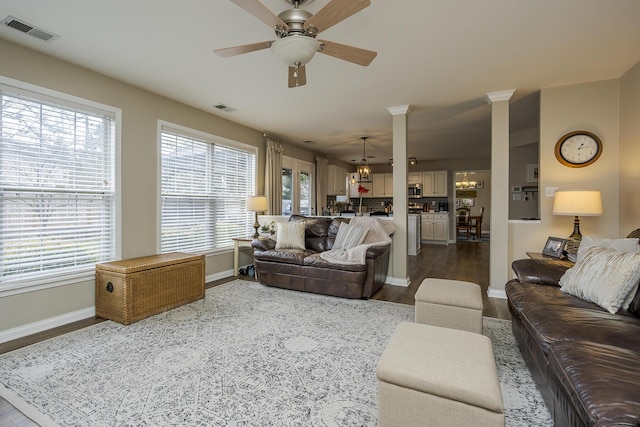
(364,169)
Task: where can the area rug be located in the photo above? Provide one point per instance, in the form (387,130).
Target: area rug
(246,355)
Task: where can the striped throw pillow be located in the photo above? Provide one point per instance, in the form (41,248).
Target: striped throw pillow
(349,236)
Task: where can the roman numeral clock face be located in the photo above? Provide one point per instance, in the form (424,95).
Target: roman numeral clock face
(578,149)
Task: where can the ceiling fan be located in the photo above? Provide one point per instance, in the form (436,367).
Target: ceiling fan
(297,29)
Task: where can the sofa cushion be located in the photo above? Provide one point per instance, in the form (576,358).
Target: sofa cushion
(603,381)
(628,245)
(286,256)
(316,231)
(524,295)
(543,271)
(553,323)
(603,276)
(349,236)
(315,260)
(290,235)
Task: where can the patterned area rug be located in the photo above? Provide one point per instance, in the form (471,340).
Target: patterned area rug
(246,355)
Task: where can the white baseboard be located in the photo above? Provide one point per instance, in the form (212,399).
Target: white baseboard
(496,293)
(46,324)
(217,276)
(396,281)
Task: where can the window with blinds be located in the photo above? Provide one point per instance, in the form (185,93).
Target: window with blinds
(57,190)
(205,181)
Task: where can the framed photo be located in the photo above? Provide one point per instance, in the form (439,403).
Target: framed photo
(480,185)
(532,172)
(554,247)
(468,202)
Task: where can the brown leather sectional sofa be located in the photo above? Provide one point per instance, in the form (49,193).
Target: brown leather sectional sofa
(585,360)
(305,270)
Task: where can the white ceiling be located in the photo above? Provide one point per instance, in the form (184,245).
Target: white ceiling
(439,56)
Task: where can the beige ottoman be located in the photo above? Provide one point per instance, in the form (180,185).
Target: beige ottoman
(450,304)
(432,376)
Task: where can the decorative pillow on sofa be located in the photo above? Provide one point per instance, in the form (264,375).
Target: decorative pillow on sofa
(603,276)
(349,236)
(290,235)
(623,245)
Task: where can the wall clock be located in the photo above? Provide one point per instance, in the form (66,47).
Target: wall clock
(578,149)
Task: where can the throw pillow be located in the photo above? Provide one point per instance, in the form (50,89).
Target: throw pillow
(349,236)
(290,235)
(622,245)
(603,276)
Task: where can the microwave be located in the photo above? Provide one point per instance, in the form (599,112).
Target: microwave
(415,191)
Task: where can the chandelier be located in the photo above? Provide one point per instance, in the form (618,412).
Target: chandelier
(465,184)
(364,169)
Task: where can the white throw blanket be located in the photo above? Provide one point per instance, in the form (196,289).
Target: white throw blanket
(378,235)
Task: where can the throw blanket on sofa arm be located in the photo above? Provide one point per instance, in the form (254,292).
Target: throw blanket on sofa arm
(378,235)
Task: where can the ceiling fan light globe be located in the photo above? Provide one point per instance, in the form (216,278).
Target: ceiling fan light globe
(295,51)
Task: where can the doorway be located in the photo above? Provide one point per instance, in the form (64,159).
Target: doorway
(472,201)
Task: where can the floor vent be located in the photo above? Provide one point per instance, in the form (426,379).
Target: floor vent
(224,108)
(29,29)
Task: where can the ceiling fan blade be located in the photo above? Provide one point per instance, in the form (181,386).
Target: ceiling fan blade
(348,53)
(245,48)
(334,12)
(297,76)
(261,12)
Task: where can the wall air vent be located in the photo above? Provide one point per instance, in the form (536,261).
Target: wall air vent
(224,108)
(22,26)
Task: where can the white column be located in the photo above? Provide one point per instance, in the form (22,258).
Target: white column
(499,251)
(400,195)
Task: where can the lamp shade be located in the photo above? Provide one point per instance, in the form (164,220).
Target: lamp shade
(577,203)
(256,204)
(295,50)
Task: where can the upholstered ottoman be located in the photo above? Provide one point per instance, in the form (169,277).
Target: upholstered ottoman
(433,376)
(450,304)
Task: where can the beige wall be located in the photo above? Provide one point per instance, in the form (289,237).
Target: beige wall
(593,107)
(630,150)
(141,111)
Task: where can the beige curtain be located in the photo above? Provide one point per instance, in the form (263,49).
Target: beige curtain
(273,176)
(322,183)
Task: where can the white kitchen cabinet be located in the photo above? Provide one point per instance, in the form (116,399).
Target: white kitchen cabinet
(434,184)
(337,184)
(414,235)
(435,227)
(382,184)
(415,178)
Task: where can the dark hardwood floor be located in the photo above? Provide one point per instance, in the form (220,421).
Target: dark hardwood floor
(468,261)
(462,261)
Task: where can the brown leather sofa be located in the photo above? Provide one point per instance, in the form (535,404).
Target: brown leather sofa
(585,360)
(305,270)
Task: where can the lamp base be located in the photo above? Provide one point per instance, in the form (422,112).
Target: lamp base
(573,241)
(256,225)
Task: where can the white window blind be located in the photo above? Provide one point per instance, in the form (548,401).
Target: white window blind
(57,191)
(204,186)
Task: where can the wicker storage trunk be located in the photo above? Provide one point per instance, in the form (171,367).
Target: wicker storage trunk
(132,289)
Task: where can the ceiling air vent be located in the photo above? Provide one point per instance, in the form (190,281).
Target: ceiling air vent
(224,108)
(29,29)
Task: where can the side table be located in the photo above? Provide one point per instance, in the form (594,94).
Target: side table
(239,242)
(539,255)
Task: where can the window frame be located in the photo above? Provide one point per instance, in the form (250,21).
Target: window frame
(45,95)
(211,138)
(297,167)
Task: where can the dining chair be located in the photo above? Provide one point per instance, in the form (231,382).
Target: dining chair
(462,222)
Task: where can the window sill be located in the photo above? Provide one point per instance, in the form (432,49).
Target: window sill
(17,287)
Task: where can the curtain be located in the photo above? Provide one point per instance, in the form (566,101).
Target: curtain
(273,176)
(322,183)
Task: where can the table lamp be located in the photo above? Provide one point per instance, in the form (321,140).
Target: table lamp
(256,204)
(576,203)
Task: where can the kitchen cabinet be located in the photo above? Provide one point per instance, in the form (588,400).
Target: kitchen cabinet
(434,184)
(415,178)
(337,184)
(435,227)
(414,234)
(382,184)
